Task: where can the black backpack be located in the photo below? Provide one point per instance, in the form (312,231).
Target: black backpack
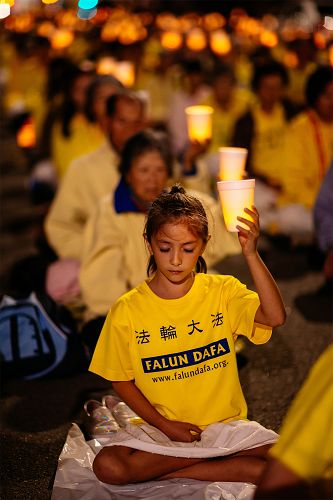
(38,338)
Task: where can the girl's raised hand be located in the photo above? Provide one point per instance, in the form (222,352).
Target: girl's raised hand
(181,431)
(248,237)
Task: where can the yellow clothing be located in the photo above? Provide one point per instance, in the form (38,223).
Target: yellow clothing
(181,352)
(309,152)
(201,181)
(268,145)
(25,86)
(224,120)
(84,138)
(297,82)
(306,442)
(88,179)
(115,258)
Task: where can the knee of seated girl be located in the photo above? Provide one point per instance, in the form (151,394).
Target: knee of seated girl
(109,468)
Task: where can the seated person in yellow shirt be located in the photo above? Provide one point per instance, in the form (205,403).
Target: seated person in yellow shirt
(92,176)
(300,464)
(89,178)
(72,135)
(113,252)
(263,131)
(229,102)
(309,146)
(167,347)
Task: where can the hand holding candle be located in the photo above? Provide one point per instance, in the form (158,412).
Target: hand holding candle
(248,237)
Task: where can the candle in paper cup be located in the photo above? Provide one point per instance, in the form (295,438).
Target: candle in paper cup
(199,122)
(232,163)
(234,197)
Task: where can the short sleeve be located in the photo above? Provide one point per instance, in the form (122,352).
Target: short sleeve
(242,305)
(111,359)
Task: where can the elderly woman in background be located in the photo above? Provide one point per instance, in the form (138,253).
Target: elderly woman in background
(114,256)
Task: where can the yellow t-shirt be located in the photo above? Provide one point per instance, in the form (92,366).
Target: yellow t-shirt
(181,352)
(85,137)
(268,146)
(89,178)
(224,120)
(309,151)
(306,442)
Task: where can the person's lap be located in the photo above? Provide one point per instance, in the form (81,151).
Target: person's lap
(124,465)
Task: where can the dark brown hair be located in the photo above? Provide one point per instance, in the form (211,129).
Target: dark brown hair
(177,206)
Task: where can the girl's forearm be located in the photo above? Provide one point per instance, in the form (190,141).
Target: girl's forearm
(134,398)
(271,310)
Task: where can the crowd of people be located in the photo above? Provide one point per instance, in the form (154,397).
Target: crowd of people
(113,160)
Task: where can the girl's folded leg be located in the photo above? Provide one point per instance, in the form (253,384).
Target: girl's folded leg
(123,465)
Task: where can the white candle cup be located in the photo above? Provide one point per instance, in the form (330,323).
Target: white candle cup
(234,197)
(199,122)
(232,163)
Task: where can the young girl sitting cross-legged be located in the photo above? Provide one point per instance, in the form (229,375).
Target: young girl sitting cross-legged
(168,347)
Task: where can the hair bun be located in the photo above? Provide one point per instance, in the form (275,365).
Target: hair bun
(176,189)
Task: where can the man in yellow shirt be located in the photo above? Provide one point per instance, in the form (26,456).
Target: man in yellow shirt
(301,462)
(229,103)
(92,176)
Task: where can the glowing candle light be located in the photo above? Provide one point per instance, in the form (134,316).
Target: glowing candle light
(4,10)
(199,122)
(61,39)
(106,66)
(26,136)
(171,40)
(234,197)
(125,73)
(269,38)
(232,163)
(220,42)
(196,39)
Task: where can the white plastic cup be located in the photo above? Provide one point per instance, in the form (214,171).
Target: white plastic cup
(199,122)
(234,197)
(232,163)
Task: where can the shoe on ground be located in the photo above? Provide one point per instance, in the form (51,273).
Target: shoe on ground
(121,412)
(99,419)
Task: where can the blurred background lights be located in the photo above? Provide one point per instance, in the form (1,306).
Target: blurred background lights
(125,73)
(268,38)
(171,40)
(61,38)
(86,14)
(196,39)
(87,4)
(220,42)
(106,66)
(4,10)
(26,136)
